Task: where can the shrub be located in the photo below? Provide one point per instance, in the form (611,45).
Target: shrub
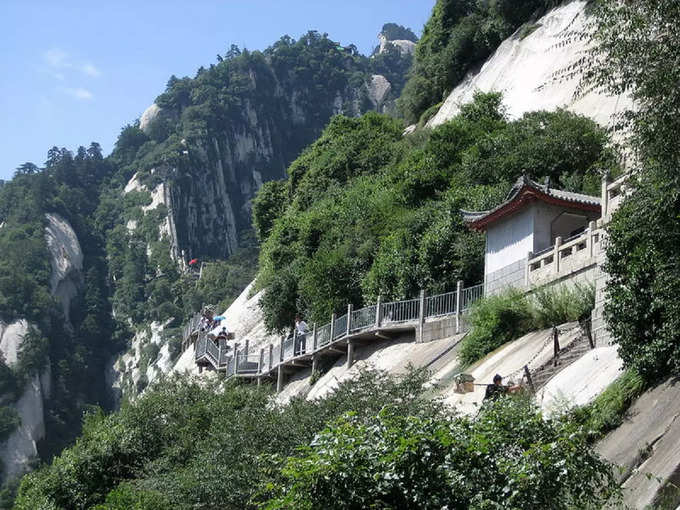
(552,306)
(494,321)
(508,458)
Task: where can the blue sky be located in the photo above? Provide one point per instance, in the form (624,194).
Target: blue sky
(72,73)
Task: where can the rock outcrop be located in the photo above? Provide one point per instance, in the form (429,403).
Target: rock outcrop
(403,45)
(66,259)
(526,70)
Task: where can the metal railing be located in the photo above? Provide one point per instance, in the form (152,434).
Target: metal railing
(470,295)
(323,335)
(363,318)
(400,311)
(340,327)
(443,304)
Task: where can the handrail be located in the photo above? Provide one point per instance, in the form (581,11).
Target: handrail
(361,321)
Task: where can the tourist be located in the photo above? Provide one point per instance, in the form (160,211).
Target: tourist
(301,330)
(495,390)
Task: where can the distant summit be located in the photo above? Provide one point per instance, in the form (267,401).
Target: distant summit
(396,36)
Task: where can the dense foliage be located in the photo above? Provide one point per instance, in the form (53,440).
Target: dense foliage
(367,212)
(185,445)
(637,53)
(459,35)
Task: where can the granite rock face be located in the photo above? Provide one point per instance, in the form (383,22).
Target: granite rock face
(524,69)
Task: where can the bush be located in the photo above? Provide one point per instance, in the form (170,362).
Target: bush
(552,306)
(508,458)
(494,321)
(9,421)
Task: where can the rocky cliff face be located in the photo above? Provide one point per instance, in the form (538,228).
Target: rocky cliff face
(527,69)
(66,258)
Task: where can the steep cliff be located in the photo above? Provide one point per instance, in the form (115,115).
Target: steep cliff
(543,50)
(20,450)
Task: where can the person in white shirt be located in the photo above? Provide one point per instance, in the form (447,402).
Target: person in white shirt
(301,330)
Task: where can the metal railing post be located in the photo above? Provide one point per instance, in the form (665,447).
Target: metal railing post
(378,312)
(283,339)
(236,359)
(529,379)
(421,315)
(314,337)
(271,356)
(260,362)
(247,346)
(350,308)
(332,328)
(459,299)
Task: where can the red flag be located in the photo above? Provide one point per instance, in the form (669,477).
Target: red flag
(193,261)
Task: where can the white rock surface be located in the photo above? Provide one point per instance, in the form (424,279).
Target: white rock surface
(533,349)
(11,338)
(148,117)
(523,70)
(20,449)
(404,45)
(378,89)
(66,259)
(581,382)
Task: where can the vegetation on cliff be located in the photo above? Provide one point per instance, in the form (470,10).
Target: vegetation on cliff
(367,212)
(460,35)
(637,53)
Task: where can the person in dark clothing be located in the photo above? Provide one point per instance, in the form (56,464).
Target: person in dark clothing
(495,390)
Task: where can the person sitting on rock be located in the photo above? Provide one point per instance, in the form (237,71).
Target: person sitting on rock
(495,390)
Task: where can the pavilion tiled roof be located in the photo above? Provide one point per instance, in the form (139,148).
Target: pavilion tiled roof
(525,191)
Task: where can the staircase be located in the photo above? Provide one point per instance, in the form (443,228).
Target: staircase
(566,357)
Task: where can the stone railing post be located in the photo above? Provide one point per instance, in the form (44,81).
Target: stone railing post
(606,181)
(556,254)
(591,231)
(236,358)
(459,303)
(378,312)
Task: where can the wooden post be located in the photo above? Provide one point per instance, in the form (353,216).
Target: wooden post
(556,345)
(279,379)
(332,328)
(378,312)
(529,379)
(350,308)
(350,353)
(314,338)
(421,315)
(459,302)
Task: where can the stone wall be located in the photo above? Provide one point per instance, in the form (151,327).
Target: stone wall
(512,275)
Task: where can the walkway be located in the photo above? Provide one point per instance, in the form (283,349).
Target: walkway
(427,317)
